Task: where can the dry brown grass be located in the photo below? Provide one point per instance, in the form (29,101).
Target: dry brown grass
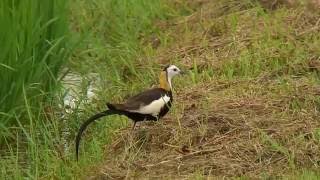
(222,134)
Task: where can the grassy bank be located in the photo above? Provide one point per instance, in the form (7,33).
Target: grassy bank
(251,106)
(247,108)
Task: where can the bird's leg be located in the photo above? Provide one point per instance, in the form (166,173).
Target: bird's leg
(134,125)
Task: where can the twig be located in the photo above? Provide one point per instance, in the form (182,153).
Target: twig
(315,27)
(183,156)
(309,30)
(170,145)
(220,138)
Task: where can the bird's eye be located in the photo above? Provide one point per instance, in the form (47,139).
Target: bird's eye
(175,69)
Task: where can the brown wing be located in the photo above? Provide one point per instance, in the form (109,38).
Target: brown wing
(142,99)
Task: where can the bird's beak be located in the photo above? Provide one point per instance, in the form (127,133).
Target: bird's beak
(182,72)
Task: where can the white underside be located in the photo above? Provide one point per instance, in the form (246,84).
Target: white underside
(155,107)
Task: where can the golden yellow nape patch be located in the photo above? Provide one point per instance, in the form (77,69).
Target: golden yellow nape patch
(164,81)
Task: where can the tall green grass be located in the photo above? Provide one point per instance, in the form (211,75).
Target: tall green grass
(33,41)
(34,47)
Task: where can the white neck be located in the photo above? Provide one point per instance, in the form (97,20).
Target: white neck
(169,81)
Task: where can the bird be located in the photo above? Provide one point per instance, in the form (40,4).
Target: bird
(149,105)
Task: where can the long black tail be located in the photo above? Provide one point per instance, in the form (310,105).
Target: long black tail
(89,121)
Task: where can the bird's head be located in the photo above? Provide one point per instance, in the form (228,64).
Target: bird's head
(171,71)
(167,74)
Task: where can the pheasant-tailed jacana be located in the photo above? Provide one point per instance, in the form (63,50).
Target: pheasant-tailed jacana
(149,105)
